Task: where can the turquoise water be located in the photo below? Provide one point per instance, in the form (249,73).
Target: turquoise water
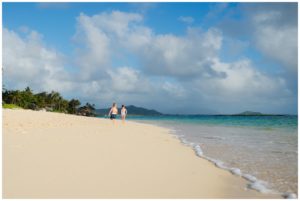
(261,122)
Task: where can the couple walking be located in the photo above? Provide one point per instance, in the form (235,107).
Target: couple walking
(114,112)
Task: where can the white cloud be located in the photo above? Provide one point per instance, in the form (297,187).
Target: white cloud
(234,48)
(243,87)
(28,62)
(215,11)
(243,79)
(128,80)
(160,54)
(181,56)
(266,17)
(276,35)
(93,54)
(174,89)
(279,44)
(115,23)
(99,38)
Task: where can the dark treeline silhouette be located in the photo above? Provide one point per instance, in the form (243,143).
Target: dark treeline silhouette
(46,101)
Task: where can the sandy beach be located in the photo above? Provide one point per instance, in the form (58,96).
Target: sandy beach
(52,155)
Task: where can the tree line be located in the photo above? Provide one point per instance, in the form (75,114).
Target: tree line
(46,101)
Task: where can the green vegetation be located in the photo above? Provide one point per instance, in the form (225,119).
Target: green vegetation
(11,106)
(44,101)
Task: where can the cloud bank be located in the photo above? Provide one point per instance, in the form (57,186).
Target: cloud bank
(119,58)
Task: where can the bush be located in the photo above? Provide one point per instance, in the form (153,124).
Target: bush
(11,106)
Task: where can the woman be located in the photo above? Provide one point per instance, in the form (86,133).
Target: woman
(123,113)
(113,112)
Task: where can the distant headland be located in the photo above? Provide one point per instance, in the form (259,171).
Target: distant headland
(132,110)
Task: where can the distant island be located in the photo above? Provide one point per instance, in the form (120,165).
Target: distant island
(132,110)
(249,113)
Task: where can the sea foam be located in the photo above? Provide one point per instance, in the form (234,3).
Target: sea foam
(198,150)
(255,184)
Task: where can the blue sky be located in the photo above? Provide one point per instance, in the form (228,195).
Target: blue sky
(173,57)
(58,20)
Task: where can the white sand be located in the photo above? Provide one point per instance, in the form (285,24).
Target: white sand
(51,155)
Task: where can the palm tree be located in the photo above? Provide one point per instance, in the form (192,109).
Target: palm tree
(64,105)
(15,97)
(59,101)
(41,99)
(52,99)
(73,104)
(28,99)
(28,90)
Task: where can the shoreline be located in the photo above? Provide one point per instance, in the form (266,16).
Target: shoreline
(53,155)
(254,182)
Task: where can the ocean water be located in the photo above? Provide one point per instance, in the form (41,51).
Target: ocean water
(262,149)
